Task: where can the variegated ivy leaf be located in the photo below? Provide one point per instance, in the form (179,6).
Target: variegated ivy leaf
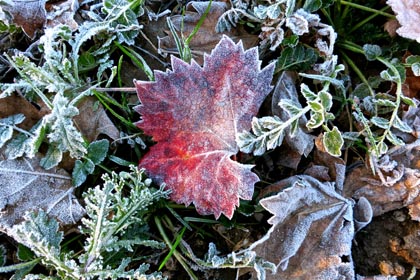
(267,133)
(333,142)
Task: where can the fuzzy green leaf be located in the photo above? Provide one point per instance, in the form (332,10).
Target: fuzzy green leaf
(372,52)
(385,102)
(52,158)
(63,132)
(81,170)
(296,58)
(97,151)
(326,100)
(6,127)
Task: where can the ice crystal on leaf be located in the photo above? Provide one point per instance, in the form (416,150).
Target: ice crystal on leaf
(194,114)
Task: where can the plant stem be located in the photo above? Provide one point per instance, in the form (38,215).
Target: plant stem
(101,99)
(367,9)
(366,20)
(177,255)
(358,72)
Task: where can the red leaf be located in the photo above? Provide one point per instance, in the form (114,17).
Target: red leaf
(195,113)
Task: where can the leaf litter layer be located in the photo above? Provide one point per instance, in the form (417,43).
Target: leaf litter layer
(200,117)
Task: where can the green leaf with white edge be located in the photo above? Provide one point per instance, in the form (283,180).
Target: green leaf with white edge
(414,62)
(267,134)
(382,148)
(333,142)
(385,102)
(316,120)
(326,100)
(294,128)
(380,122)
(316,106)
(401,125)
(97,151)
(246,142)
(308,93)
(81,170)
(409,101)
(372,52)
(52,158)
(24,253)
(390,75)
(291,107)
(38,232)
(256,126)
(395,140)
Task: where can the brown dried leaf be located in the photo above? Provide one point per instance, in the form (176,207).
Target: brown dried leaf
(408,14)
(25,186)
(406,191)
(16,104)
(93,121)
(28,14)
(312,231)
(206,38)
(62,12)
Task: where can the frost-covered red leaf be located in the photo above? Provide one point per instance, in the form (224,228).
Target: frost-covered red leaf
(194,114)
(408,15)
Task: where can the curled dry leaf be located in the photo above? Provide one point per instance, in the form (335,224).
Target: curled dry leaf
(25,186)
(206,38)
(195,114)
(408,14)
(312,231)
